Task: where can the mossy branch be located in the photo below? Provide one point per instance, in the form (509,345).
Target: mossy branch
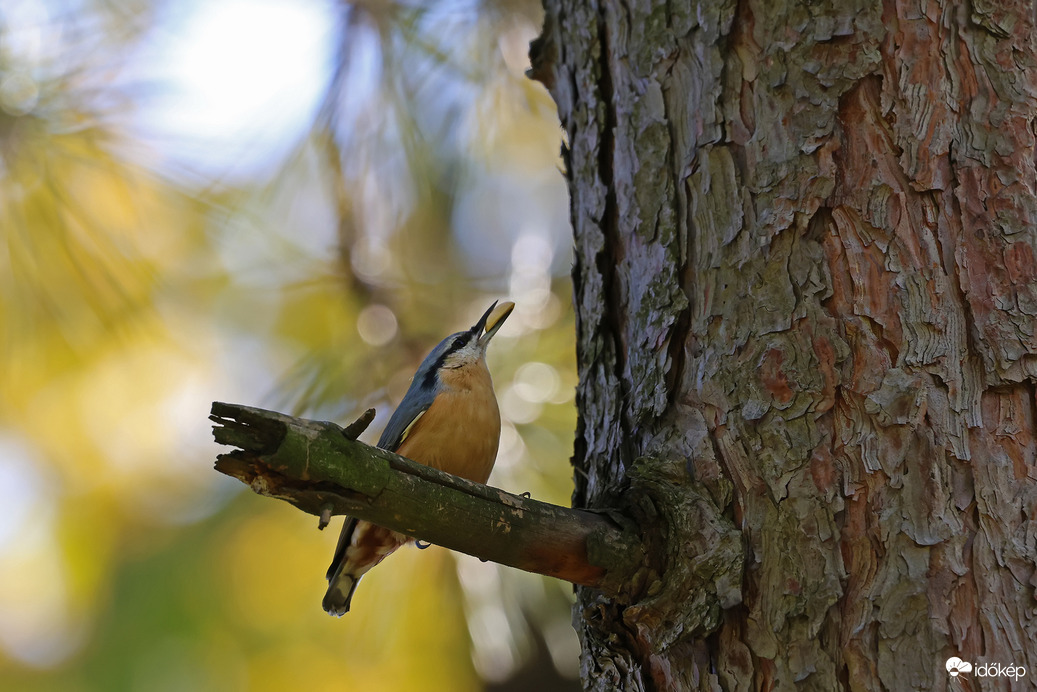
(322,469)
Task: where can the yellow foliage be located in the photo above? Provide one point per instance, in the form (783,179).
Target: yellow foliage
(129,302)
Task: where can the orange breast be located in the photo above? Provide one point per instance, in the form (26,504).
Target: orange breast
(460,432)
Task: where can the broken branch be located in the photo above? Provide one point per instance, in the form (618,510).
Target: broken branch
(320,468)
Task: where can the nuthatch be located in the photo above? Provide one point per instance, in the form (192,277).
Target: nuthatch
(448,420)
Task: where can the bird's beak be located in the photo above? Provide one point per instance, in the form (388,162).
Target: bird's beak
(492,320)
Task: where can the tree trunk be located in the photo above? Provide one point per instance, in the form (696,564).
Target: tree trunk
(806,294)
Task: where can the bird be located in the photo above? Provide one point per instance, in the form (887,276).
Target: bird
(449,420)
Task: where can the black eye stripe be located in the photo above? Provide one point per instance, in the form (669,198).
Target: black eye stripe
(459,342)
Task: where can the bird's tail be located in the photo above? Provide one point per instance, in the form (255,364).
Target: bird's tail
(340,593)
(340,585)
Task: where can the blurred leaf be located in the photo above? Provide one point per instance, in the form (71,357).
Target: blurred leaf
(132,295)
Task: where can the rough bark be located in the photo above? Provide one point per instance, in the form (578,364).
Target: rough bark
(805,273)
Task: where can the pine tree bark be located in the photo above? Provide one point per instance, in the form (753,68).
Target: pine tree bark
(806,295)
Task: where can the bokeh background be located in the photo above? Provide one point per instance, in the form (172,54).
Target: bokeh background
(284,203)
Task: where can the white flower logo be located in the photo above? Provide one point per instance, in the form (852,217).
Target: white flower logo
(955,666)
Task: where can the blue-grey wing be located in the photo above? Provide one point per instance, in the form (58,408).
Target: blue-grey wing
(416,402)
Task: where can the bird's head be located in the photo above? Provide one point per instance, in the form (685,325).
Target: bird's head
(463,348)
